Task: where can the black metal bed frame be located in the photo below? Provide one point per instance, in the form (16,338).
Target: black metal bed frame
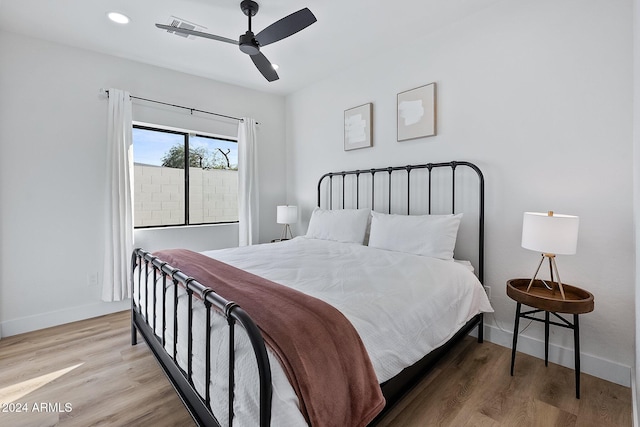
(200,406)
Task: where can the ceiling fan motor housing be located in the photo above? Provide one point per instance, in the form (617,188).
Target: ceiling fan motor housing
(248,44)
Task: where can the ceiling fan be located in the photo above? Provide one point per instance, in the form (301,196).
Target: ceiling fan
(251,43)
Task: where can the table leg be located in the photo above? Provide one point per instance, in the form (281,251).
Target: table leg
(576,349)
(515,337)
(546,338)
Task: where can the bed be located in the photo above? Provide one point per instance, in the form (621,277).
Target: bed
(402,304)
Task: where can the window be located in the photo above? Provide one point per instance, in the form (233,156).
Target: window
(173,189)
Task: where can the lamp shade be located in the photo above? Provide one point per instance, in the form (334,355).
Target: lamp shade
(287,214)
(550,233)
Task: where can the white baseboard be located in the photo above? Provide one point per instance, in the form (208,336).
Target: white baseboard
(59,317)
(589,364)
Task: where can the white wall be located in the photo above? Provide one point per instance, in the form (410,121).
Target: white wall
(537,93)
(52,170)
(636,198)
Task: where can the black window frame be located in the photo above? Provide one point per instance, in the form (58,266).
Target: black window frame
(186,134)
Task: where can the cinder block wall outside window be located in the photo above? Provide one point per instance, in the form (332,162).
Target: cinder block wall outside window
(159,195)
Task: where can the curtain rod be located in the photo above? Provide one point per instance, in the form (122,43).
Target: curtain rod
(106,91)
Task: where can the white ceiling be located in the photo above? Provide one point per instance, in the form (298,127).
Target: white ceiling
(346,32)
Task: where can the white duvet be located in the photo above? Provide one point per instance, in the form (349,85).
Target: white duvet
(402,306)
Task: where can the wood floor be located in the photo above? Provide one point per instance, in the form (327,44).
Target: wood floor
(87,373)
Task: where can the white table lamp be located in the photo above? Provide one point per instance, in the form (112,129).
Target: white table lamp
(286,215)
(550,234)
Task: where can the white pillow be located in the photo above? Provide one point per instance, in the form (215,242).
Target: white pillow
(340,225)
(427,235)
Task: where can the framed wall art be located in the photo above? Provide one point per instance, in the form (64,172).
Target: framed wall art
(357,127)
(417,112)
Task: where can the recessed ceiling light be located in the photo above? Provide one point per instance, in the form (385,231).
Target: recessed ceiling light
(275,66)
(118,18)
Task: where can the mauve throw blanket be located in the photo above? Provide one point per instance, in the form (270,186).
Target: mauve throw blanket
(319,349)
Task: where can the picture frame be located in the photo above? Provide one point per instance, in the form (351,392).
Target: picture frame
(357,127)
(417,113)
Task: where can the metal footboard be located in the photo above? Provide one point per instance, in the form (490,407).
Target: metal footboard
(144,321)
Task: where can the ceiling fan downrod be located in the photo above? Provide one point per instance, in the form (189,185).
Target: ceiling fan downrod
(247,42)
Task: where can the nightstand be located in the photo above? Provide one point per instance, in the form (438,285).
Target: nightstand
(577,301)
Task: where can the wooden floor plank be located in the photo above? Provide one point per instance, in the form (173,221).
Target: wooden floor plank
(111,383)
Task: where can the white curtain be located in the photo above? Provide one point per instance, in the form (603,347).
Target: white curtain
(247,182)
(119,199)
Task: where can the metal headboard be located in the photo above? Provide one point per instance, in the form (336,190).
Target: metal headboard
(372,183)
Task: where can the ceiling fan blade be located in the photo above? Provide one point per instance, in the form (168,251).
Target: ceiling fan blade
(265,67)
(285,27)
(196,33)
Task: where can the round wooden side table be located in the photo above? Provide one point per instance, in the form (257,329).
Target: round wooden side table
(577,301)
